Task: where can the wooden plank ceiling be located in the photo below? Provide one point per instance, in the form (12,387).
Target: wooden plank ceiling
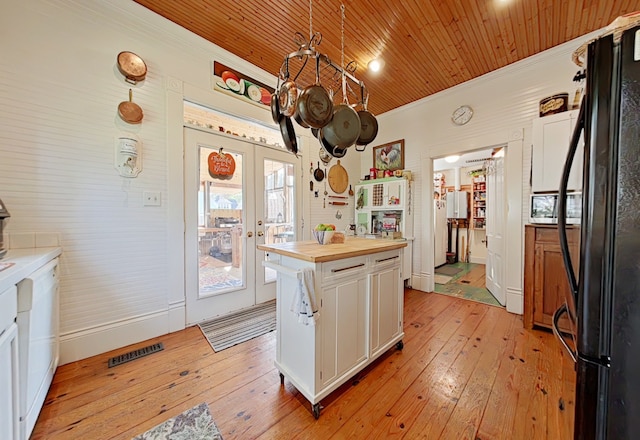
(427,45)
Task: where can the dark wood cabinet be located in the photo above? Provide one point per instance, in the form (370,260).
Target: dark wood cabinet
(545,279)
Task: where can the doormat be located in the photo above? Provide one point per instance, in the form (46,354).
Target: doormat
(441,279)
(448,270)
(194,424)
(233,329)
(212,279)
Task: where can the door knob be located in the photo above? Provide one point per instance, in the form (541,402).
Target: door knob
(260,233)
(249,234)
(259,222)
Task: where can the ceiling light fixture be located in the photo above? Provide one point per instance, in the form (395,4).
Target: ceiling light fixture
(375,65)
(323,103)
(452,159)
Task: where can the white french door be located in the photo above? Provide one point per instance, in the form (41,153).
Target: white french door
(227,216)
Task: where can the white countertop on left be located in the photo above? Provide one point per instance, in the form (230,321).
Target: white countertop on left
(26,261)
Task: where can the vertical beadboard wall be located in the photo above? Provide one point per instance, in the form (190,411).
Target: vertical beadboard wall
(505,102)
(59,93)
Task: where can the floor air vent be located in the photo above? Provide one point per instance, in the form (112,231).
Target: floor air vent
(133,355)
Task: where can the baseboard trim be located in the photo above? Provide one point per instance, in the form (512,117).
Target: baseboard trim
(177,316)
(477,260)
(86,343)
(420,282)
(515,302)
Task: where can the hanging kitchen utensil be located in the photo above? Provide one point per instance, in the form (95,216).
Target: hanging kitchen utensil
(325,157)
(338,178)
(289,135)
(368,122)
(275,108)
(132,67)
(310,185)
(129,111)
(314,107)
(318,174)
(325,188)
(350,191)
(287,94)
(339,203)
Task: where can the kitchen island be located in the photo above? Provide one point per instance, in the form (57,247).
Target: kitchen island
(359,297)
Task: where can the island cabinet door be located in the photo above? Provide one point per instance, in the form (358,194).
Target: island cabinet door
(343,325)
(386,304)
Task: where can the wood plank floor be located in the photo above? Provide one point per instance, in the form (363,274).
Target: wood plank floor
(467,371)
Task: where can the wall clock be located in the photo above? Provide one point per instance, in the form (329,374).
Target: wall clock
(462,115)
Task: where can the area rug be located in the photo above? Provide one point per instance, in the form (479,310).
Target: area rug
(193,424)
(448,270)
(233,329)
(212,279)
(441,279)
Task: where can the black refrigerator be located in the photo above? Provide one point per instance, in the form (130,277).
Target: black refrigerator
(604,303)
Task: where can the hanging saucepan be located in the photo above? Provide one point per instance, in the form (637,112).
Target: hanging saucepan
(368,122)
(288,94)
(132,67)
(331,149)
(318,174)
(275,108)
(289,135)
(275,104)
(344,128)
(129,111)
(314,106)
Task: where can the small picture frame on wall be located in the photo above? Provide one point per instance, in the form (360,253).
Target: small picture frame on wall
(389,156)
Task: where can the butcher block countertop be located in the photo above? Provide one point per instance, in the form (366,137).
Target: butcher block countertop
(318,253)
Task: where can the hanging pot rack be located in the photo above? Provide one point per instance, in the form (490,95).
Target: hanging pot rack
(341,77)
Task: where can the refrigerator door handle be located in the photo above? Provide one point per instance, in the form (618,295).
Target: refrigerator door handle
(562,204)
(556,331)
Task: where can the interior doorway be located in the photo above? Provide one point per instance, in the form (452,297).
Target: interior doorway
(463,265)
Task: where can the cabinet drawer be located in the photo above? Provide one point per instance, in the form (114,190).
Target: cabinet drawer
(550,235)
(384,259)
(335,270)
(8,307)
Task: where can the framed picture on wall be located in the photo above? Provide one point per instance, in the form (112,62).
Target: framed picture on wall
(389,156)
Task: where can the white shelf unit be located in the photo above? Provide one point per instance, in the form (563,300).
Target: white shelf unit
(383,207)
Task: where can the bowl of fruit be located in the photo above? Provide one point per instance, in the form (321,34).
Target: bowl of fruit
(324,233)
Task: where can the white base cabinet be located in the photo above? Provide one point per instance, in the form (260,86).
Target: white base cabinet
(360,302)
(9,374)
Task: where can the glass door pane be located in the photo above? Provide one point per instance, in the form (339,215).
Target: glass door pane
(277,210)
(220,263)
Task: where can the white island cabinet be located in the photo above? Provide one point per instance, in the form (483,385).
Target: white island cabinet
(359,296)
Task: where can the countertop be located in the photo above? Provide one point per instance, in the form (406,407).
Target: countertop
(26,261)
(316,253)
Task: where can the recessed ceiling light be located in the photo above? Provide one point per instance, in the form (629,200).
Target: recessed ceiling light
(452,159)
(375,65)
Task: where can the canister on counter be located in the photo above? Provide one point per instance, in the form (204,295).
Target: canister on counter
(372,173)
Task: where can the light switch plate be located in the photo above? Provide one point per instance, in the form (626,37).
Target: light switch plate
(152,198)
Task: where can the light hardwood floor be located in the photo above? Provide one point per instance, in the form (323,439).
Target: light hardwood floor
(467,371)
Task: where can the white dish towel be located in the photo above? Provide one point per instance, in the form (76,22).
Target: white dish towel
(304,300)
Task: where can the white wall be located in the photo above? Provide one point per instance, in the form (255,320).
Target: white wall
(504,102)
